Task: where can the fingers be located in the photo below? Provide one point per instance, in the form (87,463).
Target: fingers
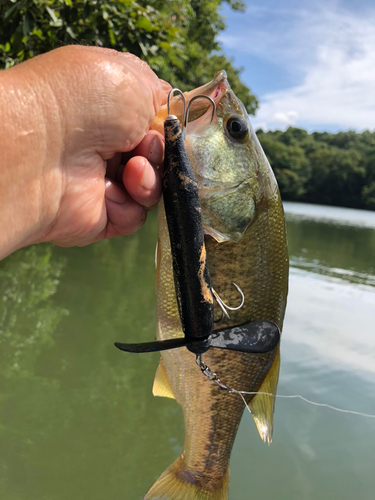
(113,166)
(152,148)
(124,214)
(136,170)
(165,89)
(142,182)
(127,208)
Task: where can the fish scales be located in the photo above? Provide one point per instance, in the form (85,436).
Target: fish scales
(246,244)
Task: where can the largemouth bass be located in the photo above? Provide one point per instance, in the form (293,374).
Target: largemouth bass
(245,239)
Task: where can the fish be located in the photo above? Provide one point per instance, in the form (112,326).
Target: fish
(245,241)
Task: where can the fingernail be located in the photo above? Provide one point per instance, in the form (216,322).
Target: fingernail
(114,193)
(156,151)
(149,177)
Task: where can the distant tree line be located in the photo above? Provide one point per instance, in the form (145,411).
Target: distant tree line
(330,169)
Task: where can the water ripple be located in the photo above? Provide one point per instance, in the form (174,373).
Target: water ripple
(348,275)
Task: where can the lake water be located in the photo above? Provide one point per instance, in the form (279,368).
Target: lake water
(77,417)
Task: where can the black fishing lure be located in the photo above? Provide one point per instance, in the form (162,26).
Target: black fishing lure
(184,219)
(191,275)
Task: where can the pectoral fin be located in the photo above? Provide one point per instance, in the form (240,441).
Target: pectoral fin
(161,385)
(263,405)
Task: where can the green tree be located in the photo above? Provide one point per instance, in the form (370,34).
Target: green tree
(289,164)
(368,196)
(337,177)
(177,38)
(368,191)
(333,169)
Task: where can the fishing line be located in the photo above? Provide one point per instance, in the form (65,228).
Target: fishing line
(215,379)
(298,396)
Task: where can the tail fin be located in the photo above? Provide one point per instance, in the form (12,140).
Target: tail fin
(176,483)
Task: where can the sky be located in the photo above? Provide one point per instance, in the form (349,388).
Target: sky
(310,63)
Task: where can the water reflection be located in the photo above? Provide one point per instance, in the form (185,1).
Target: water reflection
(331,215)
(27,318)
(75,412)
(331,247)
(332,294)
(328,356)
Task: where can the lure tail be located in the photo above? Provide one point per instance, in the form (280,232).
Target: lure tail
(177,483)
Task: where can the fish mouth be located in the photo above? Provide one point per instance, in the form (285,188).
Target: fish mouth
(215,89)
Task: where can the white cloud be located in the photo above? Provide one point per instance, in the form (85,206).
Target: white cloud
(330,52)
(285,118)
(338,87)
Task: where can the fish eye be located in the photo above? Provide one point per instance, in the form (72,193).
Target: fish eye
(237,127)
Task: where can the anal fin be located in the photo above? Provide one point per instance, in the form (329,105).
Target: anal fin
(161,385)
(262,405)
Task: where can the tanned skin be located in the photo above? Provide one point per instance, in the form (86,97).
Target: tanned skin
(71,121)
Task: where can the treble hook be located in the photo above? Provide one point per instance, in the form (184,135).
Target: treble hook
(199,97)
(183,98)
(224,307)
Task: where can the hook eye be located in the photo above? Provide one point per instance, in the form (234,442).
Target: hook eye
(200,97)
(170,95)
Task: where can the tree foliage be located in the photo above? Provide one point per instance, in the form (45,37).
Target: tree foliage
(332,169)
(177,38)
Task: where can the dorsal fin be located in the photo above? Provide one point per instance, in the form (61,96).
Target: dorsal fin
(161,385)
(263,405)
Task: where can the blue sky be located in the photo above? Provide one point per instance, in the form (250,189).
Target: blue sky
(310,63)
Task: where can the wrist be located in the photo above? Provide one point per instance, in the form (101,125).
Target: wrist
(24,129)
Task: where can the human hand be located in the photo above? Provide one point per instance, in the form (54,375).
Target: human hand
(73,116)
